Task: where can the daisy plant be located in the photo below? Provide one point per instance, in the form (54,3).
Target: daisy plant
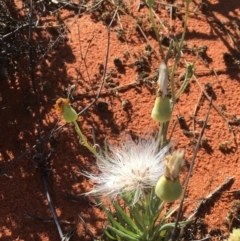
(138,179)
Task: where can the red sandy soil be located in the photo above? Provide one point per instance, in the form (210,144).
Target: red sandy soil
(79,61)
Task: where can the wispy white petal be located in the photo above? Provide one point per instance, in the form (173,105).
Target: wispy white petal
(132,167)
(163,79)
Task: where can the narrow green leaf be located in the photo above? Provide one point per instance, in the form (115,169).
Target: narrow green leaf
(126,217)
(167,235)
(171,212)
(122,234)
(189,74)
(155,203)
(168,226)
(169,51)
(108,235)
(118,238)
(184,223)
(137,217)
(120,219)
(120,227)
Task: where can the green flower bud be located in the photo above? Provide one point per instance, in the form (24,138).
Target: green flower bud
(168,187)
(168,190)
(161,111)
(63,107)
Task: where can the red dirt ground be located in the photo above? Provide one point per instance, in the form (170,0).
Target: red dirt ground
(79,62)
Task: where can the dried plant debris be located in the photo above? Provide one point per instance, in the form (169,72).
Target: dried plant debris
(14,33)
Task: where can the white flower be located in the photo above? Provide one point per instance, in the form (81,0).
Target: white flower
(163,79)
(133,167)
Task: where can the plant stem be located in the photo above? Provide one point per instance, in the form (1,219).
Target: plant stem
(164,128)
(156,32)
(179,53)
(164,134)
(83,139)
(147,218)
(161,206)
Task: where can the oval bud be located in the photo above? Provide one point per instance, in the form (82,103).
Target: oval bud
(167,190)
(161,111)
(63,107)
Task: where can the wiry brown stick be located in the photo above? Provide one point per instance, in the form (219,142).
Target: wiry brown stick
(173,236)
(195,111)
(205,200)
(228,122)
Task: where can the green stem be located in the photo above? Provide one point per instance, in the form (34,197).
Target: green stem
(160,135)
(164,134)
(164,128)
(147,216)
(156,32)
(179,53)
(83,139)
